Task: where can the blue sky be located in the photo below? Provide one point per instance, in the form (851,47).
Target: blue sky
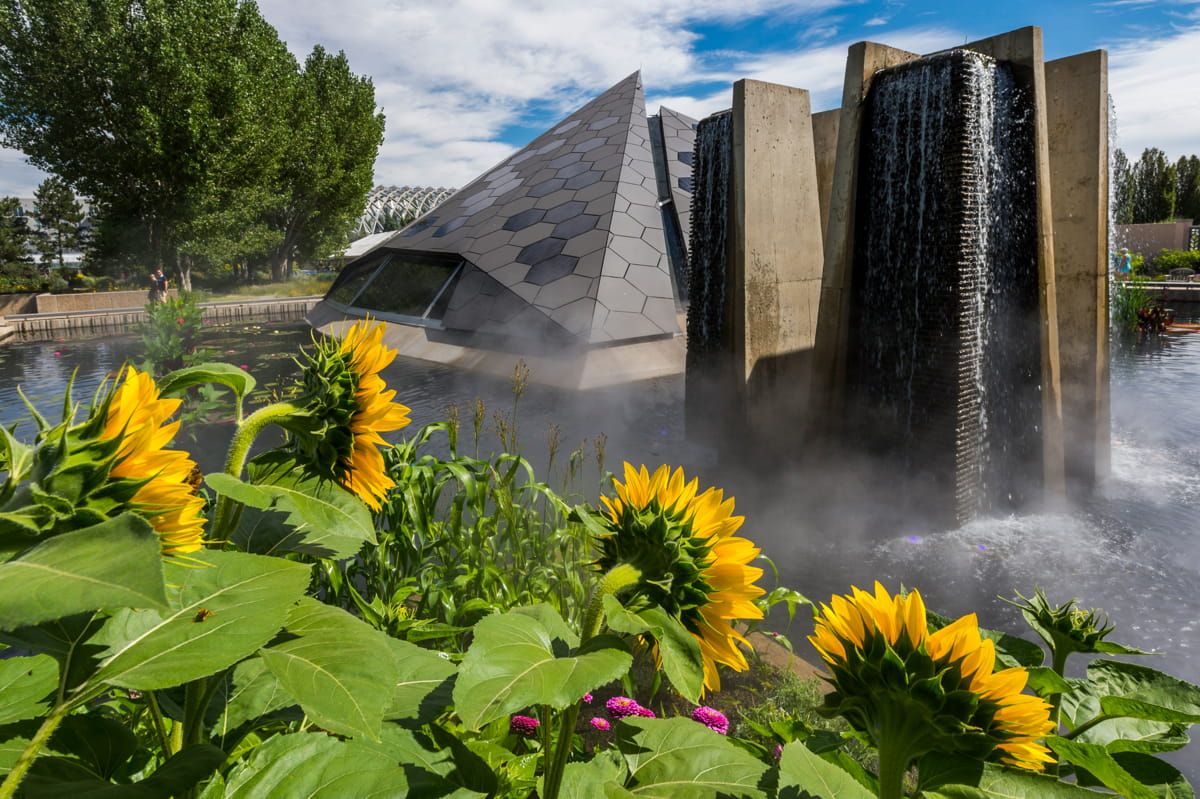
(465,82)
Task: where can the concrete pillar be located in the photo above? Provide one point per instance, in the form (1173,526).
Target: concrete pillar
(776,254)
(829,355)
(1022,48)
(1077,121)
(825,134)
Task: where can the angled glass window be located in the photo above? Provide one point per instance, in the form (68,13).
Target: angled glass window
(351,281)
(414,286)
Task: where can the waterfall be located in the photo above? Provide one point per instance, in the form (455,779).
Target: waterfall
(945,348)
(707,380)
(707,253)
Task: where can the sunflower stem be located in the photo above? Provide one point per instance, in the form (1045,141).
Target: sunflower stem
(1058,662)
(893,765)
(160,726)
(247,431)
(8,788)
(620,577)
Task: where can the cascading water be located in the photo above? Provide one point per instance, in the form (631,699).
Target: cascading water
(708,259)
(945,356)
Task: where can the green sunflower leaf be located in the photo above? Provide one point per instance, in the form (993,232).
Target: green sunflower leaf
(1100,764)
(1149,710)
(806,774)
(998,782)
(292,511)
(669,758)
(315,766)
(114,564)
(424,683)
(173,778)
(237,379)
(339,669)
(679,650)
(25,685)
(517,660)
(223,606)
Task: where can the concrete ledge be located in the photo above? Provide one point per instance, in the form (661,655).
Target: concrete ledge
(576,369)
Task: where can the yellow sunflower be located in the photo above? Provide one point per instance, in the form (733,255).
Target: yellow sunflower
(167,496)
(692,565)
(886,664)
(350,405)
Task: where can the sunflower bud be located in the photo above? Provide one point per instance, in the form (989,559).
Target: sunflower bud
(1065,628)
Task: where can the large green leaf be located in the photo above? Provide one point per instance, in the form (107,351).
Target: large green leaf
(114,564)
(680,759)
(997,782)
(297,513)
(173,778)
(338,668)
(602,777)
(100,742)
(433,770)
(67,640)
(804,774)
(225,374)
(223,607)
(424,684)
(518,660)
(1153,708)
(1161,777)
(316,766)
(253,692)
(1097,760)
(25,685)
(678,649)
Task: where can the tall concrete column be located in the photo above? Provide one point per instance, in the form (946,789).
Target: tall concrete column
(1077,120)
(776,254)
(829,355)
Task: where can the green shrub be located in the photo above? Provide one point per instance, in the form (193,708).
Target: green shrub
(1168,260)
(171,332)
(1128,300)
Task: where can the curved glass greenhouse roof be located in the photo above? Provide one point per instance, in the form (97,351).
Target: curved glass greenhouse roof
(393,207)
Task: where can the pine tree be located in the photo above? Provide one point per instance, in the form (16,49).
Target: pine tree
(59,214)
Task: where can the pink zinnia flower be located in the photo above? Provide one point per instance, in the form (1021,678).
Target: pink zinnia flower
(600,724)
(712,718)
(778,753)
(587,698)
(621,706)
(524,725)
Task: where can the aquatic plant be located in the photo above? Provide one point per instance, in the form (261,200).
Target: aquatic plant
(171,333)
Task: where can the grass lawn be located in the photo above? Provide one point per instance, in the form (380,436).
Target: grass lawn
(301,286)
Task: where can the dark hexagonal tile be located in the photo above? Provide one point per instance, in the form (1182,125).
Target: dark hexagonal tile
(573,227)
(685,184)
(573,170)
(565,211)
(540,251)
(583,180)
(686,157)
(563,160)
(524,219)
(546,187)
(589,145)
(551,269)
(421,226)
(450,227)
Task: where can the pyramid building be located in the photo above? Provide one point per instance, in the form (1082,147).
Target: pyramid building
(576,239)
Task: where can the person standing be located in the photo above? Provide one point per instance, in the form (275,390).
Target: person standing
(158,286)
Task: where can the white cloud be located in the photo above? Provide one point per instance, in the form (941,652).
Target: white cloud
(1153,84)
(452,74)
(820,70)
(875,22)
(17,177)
